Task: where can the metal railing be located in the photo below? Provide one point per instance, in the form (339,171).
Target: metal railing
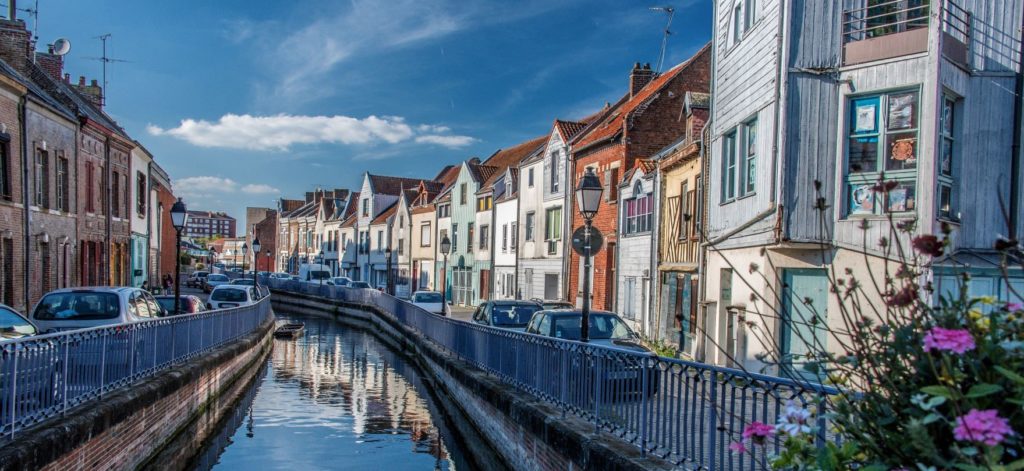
(875,18)
(46,375)
(956,21)
(686,412)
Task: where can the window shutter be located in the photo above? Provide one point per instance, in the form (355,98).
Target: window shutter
(611,177)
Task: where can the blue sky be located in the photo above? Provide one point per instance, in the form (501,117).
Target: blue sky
(243,101)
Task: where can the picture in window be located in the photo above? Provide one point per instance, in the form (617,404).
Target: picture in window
(902,198)
(862,199)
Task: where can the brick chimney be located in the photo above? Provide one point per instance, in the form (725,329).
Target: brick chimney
(639,77)
(92,92)
(51,63)
(16,45)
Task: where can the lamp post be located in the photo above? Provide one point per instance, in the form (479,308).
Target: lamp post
(268,261)
(588,198)
(179,219)
(446,248)
(245,252)
(387,278)
(255,256)
(320,261)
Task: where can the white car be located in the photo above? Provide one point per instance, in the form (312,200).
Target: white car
(228,296)
(431,301)
(79,308)
(341,281)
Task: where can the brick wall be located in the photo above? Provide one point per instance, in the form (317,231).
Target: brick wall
(12,213)
(168,254)
(266,231)
(611,157)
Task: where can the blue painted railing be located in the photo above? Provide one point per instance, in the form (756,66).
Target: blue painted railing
(44,376)
(683,411)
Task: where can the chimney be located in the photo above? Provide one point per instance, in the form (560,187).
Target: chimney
(475,161)
(92,92)
(51,63)
(639,77)
(16,46)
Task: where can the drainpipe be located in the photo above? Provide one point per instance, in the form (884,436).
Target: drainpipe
(109,216)
(567,216)
(655,252)
(1018,121)
(149,220)
(25,195)
(490,243)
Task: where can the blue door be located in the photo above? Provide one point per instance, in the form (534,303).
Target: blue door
(804,320)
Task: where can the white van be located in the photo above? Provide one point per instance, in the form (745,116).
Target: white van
(314,272)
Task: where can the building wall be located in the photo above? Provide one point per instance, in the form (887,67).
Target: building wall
(12,209)
(634,260)
(606,221)
(481,256)
(505,215)
(462,215)
(423,250)
(266,231)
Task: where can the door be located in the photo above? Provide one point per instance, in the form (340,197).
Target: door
(485,284)
(805,315)
(551,286)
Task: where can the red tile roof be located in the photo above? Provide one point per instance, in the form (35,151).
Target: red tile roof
(350,221)
(612,125)
(383,217)
(510,157)
(569,129)
(384,185)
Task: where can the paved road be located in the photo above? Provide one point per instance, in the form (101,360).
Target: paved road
(462,313)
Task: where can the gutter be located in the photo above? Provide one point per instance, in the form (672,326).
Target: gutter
(109,216)
(25,197)
(1015,170)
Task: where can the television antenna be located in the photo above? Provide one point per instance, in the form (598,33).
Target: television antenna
(671,12)
(105,60)
(33,12)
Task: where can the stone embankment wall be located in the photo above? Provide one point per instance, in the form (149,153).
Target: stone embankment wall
(142,426)
(524,432)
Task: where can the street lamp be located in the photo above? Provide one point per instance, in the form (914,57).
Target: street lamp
(588,198)
(179,219)
(255,256)
(268,261)
(244,252)
(319,270)
(446,248)
(387,279)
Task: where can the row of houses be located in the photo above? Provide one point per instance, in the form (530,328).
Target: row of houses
(735,183)
(81,202)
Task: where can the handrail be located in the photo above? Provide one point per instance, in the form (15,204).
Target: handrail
(46,375)
(683,411)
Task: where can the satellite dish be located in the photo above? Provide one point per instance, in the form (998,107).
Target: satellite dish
(61,46)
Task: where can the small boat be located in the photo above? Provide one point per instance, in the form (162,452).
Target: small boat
(289,331)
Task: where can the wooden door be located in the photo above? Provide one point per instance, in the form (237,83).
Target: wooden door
(805,315)
(485,285)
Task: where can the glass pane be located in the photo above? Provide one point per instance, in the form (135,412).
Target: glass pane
(751,170)
(862,199)
(945,201)
(901,151)
(947,117)
(863,154)
(903,111)
(946,158)
(902,198)
(865,116)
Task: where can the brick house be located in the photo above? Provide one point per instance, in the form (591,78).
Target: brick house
(266,232)
(639,125)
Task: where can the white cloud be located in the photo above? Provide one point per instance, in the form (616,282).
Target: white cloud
(279,132)
(447,141)
(259,189)
(204,185)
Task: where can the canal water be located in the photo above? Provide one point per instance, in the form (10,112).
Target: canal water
(335,398)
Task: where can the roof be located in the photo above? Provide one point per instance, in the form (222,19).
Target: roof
(644,165)
(569,129)
(613,124)
(384,185)
(36,90)
(349,221)
(384,215)
(513,173)
(444,171)
(510,157)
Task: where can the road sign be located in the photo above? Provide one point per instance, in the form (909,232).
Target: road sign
(578,238)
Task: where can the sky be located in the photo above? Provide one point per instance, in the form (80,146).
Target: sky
(246,101)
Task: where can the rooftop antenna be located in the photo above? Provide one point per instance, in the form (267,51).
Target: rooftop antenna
(33,12)
(105,60)
(671,12)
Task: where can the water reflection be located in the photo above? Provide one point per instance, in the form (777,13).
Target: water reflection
(335,398)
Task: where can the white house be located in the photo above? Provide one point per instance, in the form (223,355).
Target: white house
(505,240)
(636,226)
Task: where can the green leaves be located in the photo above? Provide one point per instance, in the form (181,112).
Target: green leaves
(941,391)
(982,390)
(1013,376)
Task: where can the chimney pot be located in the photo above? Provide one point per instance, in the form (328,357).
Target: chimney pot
(639,77)
(67,78)
(81,80)
(94,83)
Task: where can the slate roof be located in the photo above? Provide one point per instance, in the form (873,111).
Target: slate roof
(613,124)
(36,90)
(384,185)
(383,217)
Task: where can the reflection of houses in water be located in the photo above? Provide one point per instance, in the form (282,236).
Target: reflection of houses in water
(356,376)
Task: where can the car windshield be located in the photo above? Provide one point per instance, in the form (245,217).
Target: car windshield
(602,327)
(512,314)
(434,298)
(360,284)
(217,278)
(229,295)
(319,275)
(78,306)
(168,304)
(13,326)
(341,281)
(242,281)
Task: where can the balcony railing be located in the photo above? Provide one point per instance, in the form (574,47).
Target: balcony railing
(881,18)
(683,411)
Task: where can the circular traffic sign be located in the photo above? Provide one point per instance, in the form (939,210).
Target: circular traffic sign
(579,240)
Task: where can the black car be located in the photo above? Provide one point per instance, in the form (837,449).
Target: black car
(189,304)
(506,314)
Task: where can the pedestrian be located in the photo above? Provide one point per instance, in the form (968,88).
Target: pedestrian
(145,285)
(168,282)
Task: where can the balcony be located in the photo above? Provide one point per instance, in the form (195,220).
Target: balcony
(882,29)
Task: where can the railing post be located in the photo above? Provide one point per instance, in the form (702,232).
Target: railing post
(14,389)
(64,377)
(713,421)
(598,379)
(565,379)
(643,408)
(131,354)
(103,361)
(821,419)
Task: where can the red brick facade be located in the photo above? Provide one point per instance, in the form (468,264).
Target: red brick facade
(266,232)
(642,123)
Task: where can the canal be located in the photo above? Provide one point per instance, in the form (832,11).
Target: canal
(335,398)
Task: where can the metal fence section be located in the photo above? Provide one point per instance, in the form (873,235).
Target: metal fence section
(686,412)
(44,376)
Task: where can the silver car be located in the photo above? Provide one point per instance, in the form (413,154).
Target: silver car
(14,325)
(80,308)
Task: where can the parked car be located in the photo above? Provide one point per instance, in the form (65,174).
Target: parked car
(314,272)
(555,304)
(227,296)
(359,284)
(431,301)
(215,280)
(606,328)
(14,325)
(506,314)
(242,281)
(189,304)
(341,280)
(79,308)
(281,276)
(197,279)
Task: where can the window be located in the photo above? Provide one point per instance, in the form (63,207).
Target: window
(484,203)
(124,194)
(455,237)
(882,137)
(425,234)
(638,211)
(554,172)
(515,236)
(684,210)
(444,210)
(739,161)
(749,13)
(444,233)
(469,243)
(737,24)
(485,239)
(462,193)
(5,170)
(553,229)
(947,159)
(42,180)
(401,247)
(63,185)
(380,241)
(749,156)
(7,262)
(504,237)
(44,254)
(401,221)
(698,210)
(529,177)
(529,225)
(115,196)
(366,207)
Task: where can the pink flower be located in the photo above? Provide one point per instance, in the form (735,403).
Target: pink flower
(758,431)
(738,447)
(982,426)
(951,340)
(1014,307)
(928,245)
